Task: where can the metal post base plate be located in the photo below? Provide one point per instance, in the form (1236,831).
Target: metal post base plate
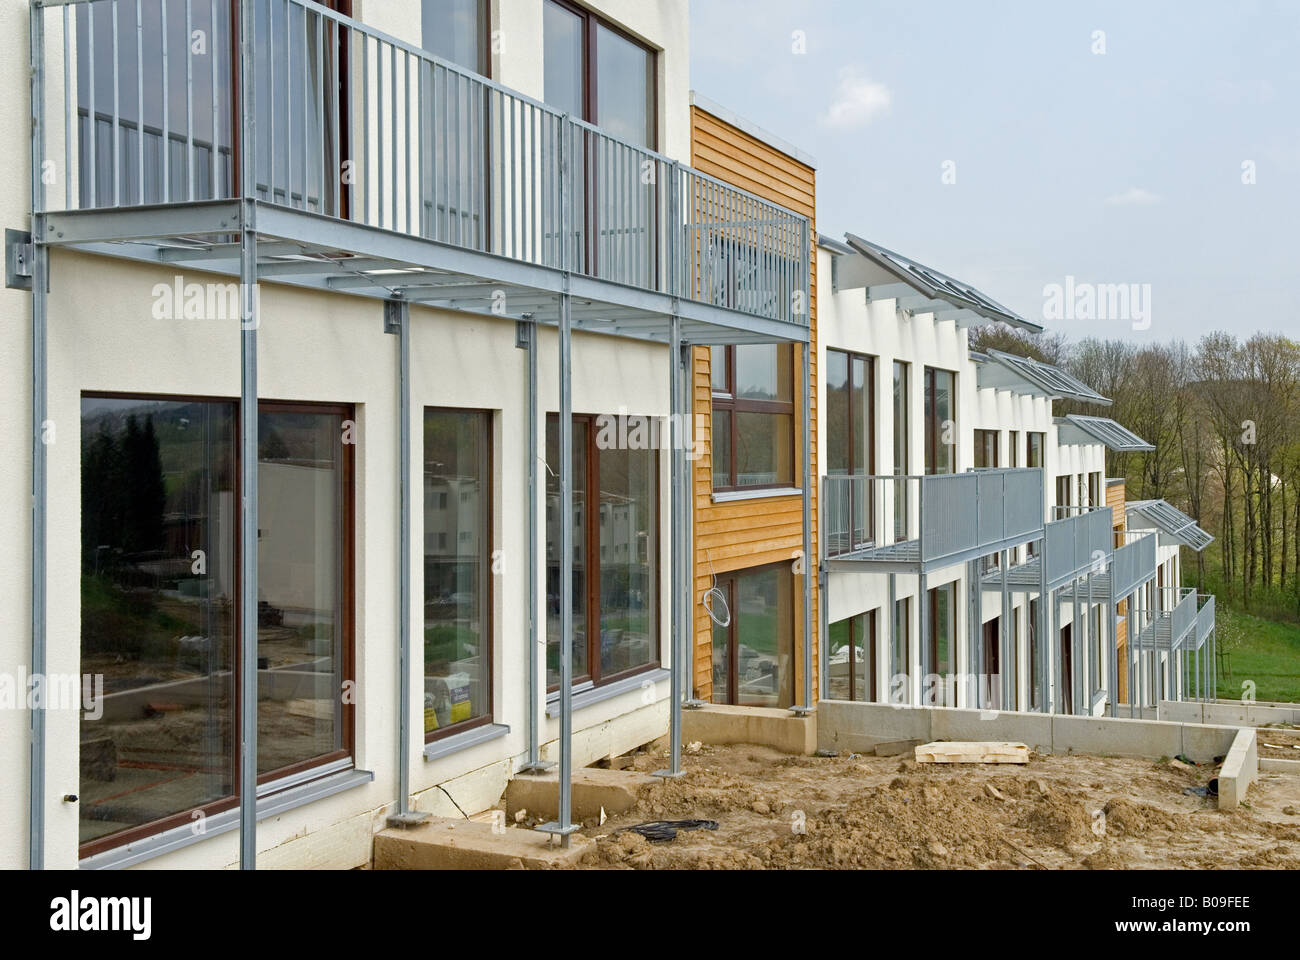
(409,819)
(541,766)
(668,774)
(553,827)
(802,711)
(694,704)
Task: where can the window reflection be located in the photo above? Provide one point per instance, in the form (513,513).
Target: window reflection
(158,516)
(457,547)
(303,478)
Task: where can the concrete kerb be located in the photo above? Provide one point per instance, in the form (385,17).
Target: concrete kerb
(1240,769)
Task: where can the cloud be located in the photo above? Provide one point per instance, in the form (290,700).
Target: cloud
(858,99)
(1133,197)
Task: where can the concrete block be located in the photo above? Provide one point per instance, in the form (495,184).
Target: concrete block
(1177,712)
(1116,736)
(895,748)
(1032,729)
(858,727)
(1240,769)
(769,726)
(1204,742)
(1271,765)
(447,844)
(592,788)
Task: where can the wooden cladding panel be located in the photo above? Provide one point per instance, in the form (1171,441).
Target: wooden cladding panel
(740,534)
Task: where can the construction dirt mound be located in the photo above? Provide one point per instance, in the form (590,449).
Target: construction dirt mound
(778,812)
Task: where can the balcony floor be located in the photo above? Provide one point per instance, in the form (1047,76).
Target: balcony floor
(317,252)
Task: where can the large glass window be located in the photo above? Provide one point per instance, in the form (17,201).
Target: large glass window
(456,30)
(616,553)
(851,658)
(753,655)
(303,591)
(753,417)
(1035,663)
(902,447)
(900,690)
(942,647)
(160,595)
(457,569)
(940,421)
(986,449)
(850,439)
(597,73)
(1013,448)
(1033,449)
(158,520)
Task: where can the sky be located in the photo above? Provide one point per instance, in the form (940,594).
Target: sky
(1016,143)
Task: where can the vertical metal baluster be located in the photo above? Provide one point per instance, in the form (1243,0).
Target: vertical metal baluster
(117,118)
(392,104)
(306,105)
(213,47)
(318,96)
(93,153)
(365,124)
(406,145)
(336,171)
(270,98)
(380,200)
(189,100)
(68,107)
(166,186)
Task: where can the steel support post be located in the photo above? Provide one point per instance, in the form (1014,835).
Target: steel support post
(808,567)
(1006,663)
(891,640)
(248,445)
(924,668)
(1044,622)
(974,651)
(397,321)
(39,466)
(676,508)
(1077,661)
(563,825)
(534,763)
(1112,695)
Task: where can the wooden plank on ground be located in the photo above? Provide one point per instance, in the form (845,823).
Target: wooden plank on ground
(977,751)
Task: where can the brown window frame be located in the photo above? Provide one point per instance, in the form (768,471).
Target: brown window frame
(347,609)
(484,37)
(489,599)
(872,655)
(933,426)
(726,582)
(591,550)
(1013,449)
(982,448)
(728,401)
(1030,437)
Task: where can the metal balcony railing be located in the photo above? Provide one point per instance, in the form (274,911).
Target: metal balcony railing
(1133,563)
(1204,619)
(353,124)
(1078,542)
(949,517)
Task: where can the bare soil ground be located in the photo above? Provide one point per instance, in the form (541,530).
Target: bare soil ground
(1058,812)
(1277,743)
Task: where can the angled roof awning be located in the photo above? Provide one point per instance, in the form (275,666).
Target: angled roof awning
(1007,371)
(1170,522)
(1076,428)
(921,289)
